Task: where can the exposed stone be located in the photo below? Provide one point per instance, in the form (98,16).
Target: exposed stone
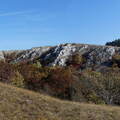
(58,55)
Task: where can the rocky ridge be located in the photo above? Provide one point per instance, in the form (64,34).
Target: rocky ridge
(58,55)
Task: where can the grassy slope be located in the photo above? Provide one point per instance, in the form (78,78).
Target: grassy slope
(19,104)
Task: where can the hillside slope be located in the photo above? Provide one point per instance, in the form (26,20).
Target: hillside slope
(19,104)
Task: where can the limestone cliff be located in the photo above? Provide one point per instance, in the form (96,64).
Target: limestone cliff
(58,55)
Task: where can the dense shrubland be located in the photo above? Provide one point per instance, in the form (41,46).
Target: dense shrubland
(71,82)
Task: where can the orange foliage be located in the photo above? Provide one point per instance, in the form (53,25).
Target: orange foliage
(60,79)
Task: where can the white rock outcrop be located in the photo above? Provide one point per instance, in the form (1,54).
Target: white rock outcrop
(58,55)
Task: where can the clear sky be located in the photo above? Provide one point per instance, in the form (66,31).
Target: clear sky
(30,23)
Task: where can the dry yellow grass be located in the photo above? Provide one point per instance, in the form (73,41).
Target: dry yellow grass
(19,104)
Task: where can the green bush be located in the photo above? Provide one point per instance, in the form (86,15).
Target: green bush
(116,60)
(76,60)
(92,97)
(18,80)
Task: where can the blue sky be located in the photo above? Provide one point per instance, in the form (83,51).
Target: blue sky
(30,23)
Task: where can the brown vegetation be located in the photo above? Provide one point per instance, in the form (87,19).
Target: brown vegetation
(66,82)
(20,104)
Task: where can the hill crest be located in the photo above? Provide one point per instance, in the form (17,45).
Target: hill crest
(59,55)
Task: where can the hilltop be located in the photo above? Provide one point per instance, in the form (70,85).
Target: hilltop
(59,55)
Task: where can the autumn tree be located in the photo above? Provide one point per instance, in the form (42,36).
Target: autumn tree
(76,60)
(6,71)
(60,80)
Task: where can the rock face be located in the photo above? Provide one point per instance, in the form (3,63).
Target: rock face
(31,53)
(58,55)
